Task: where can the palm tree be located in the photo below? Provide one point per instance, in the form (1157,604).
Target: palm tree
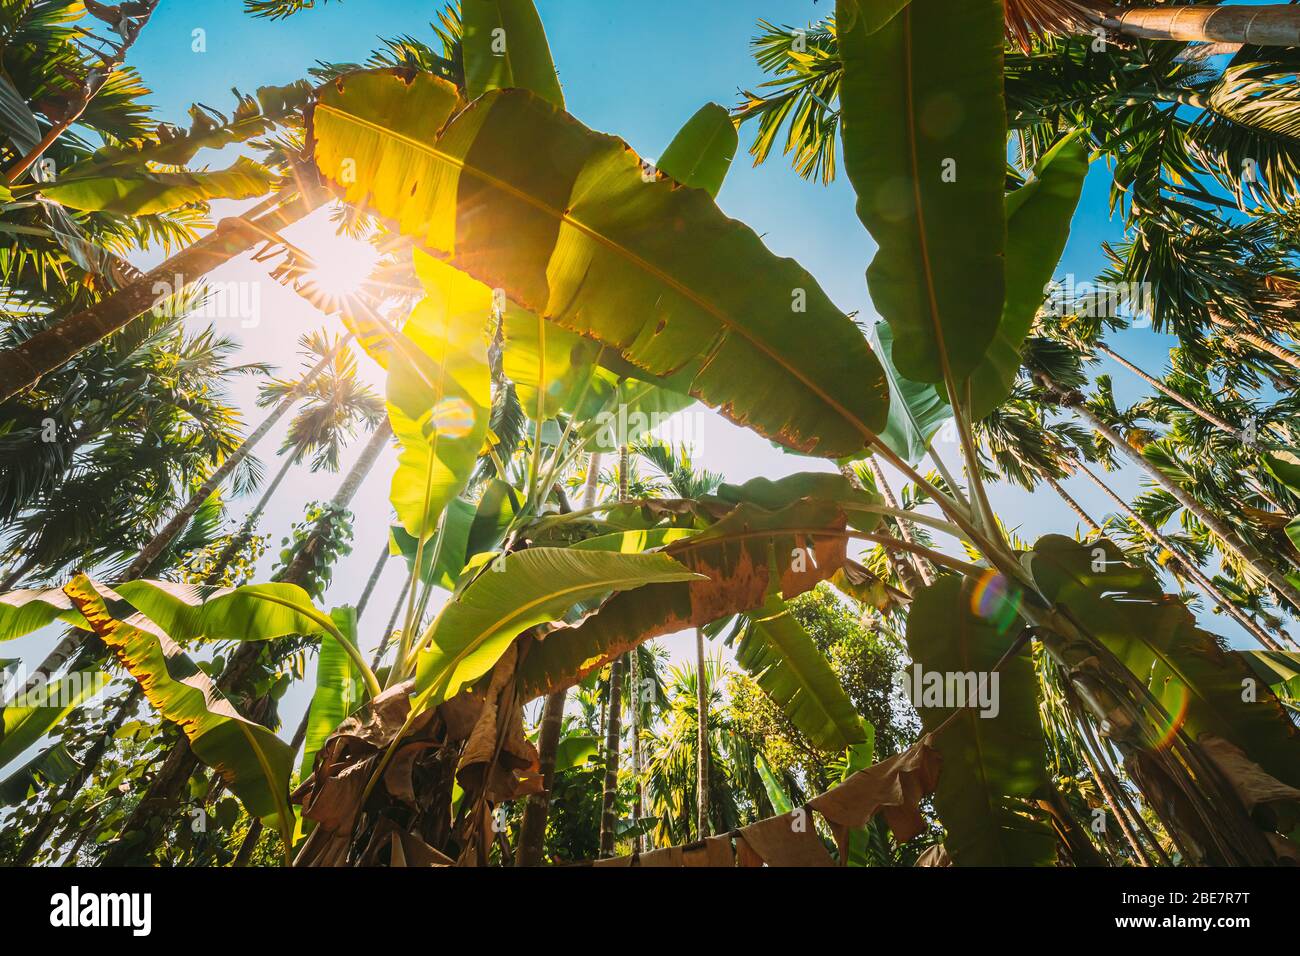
(1228,537)
(161,539)
(93,456)
(675,464)
(305,567)
(334,402)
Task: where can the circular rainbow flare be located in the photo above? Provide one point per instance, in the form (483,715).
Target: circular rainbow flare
(453,418)
(992,599)
(1177,716)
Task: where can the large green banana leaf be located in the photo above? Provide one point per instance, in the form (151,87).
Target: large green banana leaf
(575,750)
(255,612)
(782,658)
(1038,227)
(917,410)
(439,400)
(22,726)
(339,689)
(1280,670)
(785,491)
(991,764)
(504,46)
(251,760)
(1199,684)
(22,612)
(700,154)
(805,543)
(142,193)
(924,132)
(49,768)
(571,229)
(521,591)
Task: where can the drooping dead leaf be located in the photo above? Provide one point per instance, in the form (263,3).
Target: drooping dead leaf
(893,788)
(787,840)
(1276,802)
(668,856)
(935,855)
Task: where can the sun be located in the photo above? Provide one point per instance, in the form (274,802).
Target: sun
(340,265)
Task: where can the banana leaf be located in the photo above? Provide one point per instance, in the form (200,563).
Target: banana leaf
(143,193)
(563,229)
(1038,227)
(700,154)
(339,689)
(518,592)
(250,759)
(782,658)
(1199,684)
(504,46)
(735,558)
(924,131)
(992,762)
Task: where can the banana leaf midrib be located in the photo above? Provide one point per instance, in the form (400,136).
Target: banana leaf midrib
(913,160)
(566,217)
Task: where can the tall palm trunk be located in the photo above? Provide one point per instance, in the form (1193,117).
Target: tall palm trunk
(22,365)
(1074,505)
(180,762)
(66,648)
(1230,540)
(1265,345)
(240,538)
(1161,387)
(392,623)
(613,726)
(904,527)
(701,739)
(1275,24)
(904,569)
(532,830)
(608,811)
(1187,564)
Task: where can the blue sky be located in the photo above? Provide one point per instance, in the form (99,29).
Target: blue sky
(637,70)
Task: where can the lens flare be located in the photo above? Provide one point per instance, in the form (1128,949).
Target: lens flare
(453,418)
(1177,716)
(994,600)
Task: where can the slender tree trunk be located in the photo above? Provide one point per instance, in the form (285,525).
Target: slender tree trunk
(1266,345)
(1260,564)
(904,569)
(1161,387)
(154,549)
(613,727)
(178,521)
(608,810)
(23,365)
(1275,24)
(1134,844)
(97,80)
(702,828)
(1074,505)
(392,623)
(373,581)
(1188,565)
(180,763)
(904,527)
(17,574)
(240,538)
(532,831)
